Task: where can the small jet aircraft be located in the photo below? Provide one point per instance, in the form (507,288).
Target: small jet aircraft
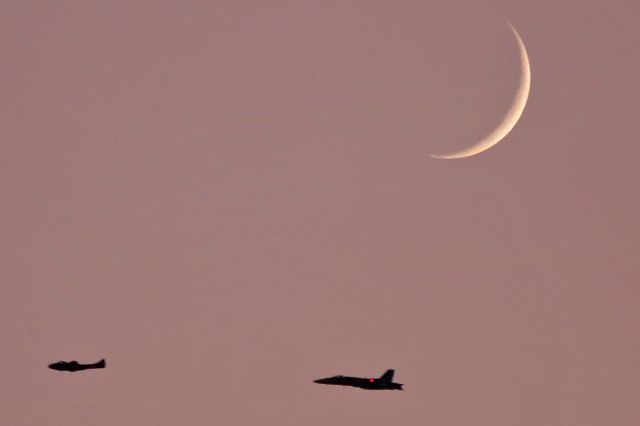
(385,382)
(74,366)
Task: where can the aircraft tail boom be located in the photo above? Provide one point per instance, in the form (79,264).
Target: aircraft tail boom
(100,364)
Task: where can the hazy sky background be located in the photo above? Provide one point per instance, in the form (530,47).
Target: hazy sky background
(230,199)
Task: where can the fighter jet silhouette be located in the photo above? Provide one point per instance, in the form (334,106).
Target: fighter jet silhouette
(74,366)
(385,382)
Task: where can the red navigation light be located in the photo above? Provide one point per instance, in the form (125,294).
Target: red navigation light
(372,380)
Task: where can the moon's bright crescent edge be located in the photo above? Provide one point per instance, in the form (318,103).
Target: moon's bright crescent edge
(512,116)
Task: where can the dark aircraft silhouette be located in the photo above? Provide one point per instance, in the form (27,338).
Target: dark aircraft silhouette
(74,366)
(385,382)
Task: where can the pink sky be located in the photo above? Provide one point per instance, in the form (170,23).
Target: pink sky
(230,199)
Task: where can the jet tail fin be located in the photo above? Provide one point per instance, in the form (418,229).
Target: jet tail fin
(387,376)
(100,364)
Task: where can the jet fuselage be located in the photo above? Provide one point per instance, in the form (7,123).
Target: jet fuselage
(385,382)
(74,366)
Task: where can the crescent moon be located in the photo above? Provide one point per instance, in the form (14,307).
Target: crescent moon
(512,116)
